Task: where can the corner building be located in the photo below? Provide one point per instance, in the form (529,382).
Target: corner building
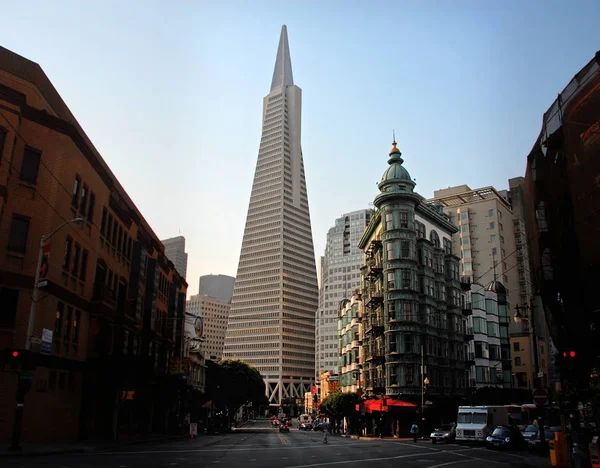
(272,319)
(411,294)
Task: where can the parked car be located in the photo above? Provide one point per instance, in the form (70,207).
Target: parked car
(534,442)
(505,437)
(284,428)
(305,426)
(445,433)
(317,426)
(529,432)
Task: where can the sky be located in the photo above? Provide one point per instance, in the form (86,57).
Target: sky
(171,95)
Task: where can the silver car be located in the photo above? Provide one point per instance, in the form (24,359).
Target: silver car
(445,433)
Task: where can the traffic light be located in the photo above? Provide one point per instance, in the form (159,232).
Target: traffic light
(568,364)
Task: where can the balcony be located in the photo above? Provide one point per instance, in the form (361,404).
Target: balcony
(374,299)
(465,283)
(373,269)
(373,247)
(374,327)
(469,334)
(467,309)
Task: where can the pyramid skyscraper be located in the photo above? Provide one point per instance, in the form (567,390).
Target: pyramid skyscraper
(272,317)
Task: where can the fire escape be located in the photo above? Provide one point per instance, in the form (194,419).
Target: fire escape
(373,322)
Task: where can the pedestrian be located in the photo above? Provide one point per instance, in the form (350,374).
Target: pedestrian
(325,427)
(414,430)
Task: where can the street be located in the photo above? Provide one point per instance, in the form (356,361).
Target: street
(259,446)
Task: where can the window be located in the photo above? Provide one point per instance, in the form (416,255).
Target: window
(420,228)
(491,212)
(448,246)
(83,269)
(464,228)
(406,279)
(76,324)
(492,329)
(500,225)
(466,253)
(76,187)
(407,310)
(434,238)
(517,361)
(392,310)
(84,200)
(467,268)
(464,215)
(91,206)
(103,221)
(493,238)
(516,346)
(502,239)
(8,312)
(19,229)
(479,325)
(60,309)
(30,166)
(390,250)
(404,249)
(389,221)
(481,350)
(466,240)
(494,251)
(492,226)
(76,259)
(68,319)
(67,256)
(408,343)
(391,278)
(404,219)
(2,140)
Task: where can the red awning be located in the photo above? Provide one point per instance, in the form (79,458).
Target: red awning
(384,405)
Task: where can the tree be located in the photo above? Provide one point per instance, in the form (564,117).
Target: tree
(233,382)
(338,405)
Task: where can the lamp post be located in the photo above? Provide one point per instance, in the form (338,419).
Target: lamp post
(423,390)
(36,292)
(537,383)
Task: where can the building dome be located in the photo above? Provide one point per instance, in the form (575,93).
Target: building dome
(496,286)
(396,177)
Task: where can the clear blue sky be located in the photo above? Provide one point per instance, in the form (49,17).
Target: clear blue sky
(171,94)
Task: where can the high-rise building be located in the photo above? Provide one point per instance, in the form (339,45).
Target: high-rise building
(340,276)
(272,318)
(412,328)
(218,286)
(214,314)
(175,252)
(486,238)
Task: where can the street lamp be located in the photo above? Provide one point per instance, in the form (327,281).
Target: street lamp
(36,291)
(423,390)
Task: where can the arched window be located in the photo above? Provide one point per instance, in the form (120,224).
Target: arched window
(434,238)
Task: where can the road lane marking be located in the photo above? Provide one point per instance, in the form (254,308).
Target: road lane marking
(505,453)
(477,458)
(450,463)
(345,462)
(281,439)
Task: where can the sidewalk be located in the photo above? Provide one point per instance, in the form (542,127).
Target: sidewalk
(83,447)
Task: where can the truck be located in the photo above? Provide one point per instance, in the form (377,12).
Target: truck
(475,423)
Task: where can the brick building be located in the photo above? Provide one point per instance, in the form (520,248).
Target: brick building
(113,301)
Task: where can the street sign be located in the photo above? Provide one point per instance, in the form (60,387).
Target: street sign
(540,397)
(35,340)
(540,374)
(46,347)
(41,284)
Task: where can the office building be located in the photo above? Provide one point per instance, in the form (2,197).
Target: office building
(217,286)
(412,297)
(213,314)
(340,276)
(275,298)
(175,251)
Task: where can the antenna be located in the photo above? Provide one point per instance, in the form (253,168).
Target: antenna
(394,135)
(494,263)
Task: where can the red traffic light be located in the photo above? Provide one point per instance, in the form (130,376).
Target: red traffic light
(564,354)
(572,354)
(15,353)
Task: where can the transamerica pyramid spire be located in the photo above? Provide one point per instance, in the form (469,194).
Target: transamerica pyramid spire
(275,298)
(282,75)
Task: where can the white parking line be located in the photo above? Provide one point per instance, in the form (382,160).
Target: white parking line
(450,463)
(356,460)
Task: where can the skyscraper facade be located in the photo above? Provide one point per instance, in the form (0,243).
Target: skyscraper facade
(275,297)
(175,251)
(218,286)
(214,314)
(340,276)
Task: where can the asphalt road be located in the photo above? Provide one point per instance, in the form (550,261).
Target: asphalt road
(260,446)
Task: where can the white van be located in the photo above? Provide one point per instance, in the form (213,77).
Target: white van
(475,423)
